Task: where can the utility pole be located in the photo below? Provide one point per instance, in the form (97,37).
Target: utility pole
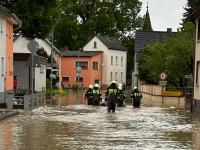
(51,78)
(33,46)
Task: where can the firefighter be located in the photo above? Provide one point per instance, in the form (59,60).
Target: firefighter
(89,94)
(111,95)
(121,98)
(136,97)
(96,98)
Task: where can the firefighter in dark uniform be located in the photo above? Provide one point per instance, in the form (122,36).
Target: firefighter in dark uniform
(121,98)
(89,94)
(111,95)
(96,98)
(136,97)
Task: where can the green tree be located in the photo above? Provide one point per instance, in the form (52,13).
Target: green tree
(175,57)
(38,16)
(81,19)
(189,8)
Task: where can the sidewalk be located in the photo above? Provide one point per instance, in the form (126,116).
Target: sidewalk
(4,113)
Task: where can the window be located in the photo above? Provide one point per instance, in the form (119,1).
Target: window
(65,79)
(197,72)
(116,76)
(95,44)
(121,61)
(82,64)
(2,66)
(96,81)
(116,61)
(111,60)
(95,65)
(80,79)
(111,76)
(121,76)
(198,32)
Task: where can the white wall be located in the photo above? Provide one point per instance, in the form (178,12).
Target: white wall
(107,67)
(2,51)
(117,67)
(197,58)
(40,78)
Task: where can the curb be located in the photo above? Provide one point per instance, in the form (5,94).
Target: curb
(7,114)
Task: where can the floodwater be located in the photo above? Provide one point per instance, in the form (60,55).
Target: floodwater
(71,127)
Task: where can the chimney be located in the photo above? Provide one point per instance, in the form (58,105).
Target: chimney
(169,29)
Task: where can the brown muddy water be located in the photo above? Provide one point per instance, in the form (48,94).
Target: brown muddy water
(72,126)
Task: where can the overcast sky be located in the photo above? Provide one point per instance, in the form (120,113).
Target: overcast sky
(164,13)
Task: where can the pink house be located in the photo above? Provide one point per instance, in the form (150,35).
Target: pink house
(90,64)
(8,21)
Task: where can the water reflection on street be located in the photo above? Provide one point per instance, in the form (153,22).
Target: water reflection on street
(86,127)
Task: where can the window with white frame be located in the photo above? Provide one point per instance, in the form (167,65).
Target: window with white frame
(2,66)
(116,60)
(121,78)
(122,61)
(197,72)
(116,76)
(111,60)
(65,79)
(111,76)
(95,65)
(198,32)
(80,79)
(82,64)
(95,44)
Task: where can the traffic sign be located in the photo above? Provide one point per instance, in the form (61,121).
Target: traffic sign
(163,83)
(163,76)
(188,76)
(78,69)
(33,46)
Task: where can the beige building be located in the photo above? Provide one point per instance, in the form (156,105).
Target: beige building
(196,97)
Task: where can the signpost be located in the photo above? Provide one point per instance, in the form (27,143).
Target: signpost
(32,46)
(163,77)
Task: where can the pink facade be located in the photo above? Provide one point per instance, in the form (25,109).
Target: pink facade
(91,70)
(9,57)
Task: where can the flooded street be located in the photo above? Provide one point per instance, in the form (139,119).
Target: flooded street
(81,126)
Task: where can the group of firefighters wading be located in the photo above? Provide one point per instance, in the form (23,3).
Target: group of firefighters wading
(114,95)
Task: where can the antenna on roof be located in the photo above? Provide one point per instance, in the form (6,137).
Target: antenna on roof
(147,5)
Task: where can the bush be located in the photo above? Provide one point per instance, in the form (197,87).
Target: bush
(56,92)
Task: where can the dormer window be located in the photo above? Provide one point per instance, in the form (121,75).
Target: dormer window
(95,44)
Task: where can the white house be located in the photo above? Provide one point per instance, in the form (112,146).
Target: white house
(22,63)
(196,97)
(114,58)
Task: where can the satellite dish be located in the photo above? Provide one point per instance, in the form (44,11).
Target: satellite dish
(33,46)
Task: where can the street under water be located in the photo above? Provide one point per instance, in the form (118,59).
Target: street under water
(80,126)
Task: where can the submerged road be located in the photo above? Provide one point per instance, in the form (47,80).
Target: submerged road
(86,127)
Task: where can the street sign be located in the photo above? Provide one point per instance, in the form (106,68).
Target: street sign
(163,83)
(78,74)
(163,76)
(33,46)
(78,69)
(188,76)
